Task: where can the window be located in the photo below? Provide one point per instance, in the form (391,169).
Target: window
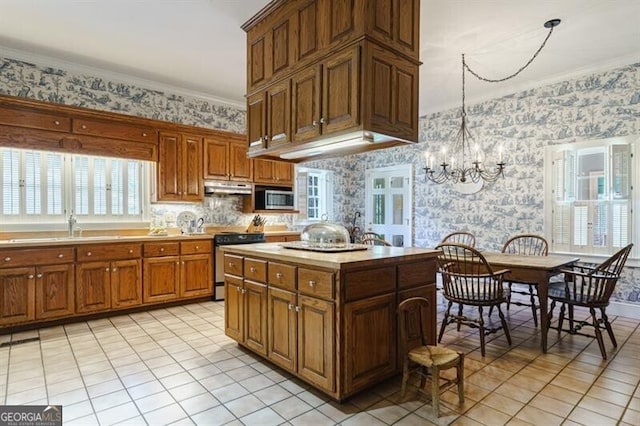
(314,190)
(43,186)
(591,199)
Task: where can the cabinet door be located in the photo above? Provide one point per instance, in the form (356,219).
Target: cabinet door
(191,166)
(169,169)
(126,283)
(240,166)
(370,352)
(234,308)
(283,328)
(17,295)
(338,21)
(341,91)
(255,311)
(307,21)
(305,104)
(161,278)
(283,172)
(54,291)
(216,153)
(263,171)
(278,114)
(256,121)
(196,278)
(93,287)
(257,55)
(316,342)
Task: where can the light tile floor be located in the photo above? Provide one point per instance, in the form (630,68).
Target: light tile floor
(176,366)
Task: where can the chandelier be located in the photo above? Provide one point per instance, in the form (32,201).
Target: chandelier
(465,163)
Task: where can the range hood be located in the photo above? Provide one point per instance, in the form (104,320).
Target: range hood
(212,187)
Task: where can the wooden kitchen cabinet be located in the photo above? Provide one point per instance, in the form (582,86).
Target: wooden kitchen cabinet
(180,167)
(225,158)
(281,238)
(126,283)
(273,172)
(255,316)
(234,307)
(196,272)
(283,328)
(17,295)
(268,116)
(161,279)
(55,286)
(93,287)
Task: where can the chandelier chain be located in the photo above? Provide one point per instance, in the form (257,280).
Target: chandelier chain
(498,80)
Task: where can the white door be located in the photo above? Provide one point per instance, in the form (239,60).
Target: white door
(388,203)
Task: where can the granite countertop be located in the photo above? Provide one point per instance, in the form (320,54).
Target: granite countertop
(373,255)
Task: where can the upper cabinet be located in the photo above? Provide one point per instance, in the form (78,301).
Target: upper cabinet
(180,167)
(324,70)
(225,158)
(273,172)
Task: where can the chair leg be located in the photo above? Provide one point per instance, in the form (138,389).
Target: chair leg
(405,377)
(435,390)
(596,326)
(505,326)
(481,330)
(508,298)
(607,324)
(459,314)
(532,297)
(460,377)
(423,377)
(561,317)
(445,319)
(552,306)
(571,323)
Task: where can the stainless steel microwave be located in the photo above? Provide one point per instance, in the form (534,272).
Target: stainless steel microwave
(271,199)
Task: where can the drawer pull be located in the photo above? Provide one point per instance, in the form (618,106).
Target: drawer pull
(88,253)
(161,249)
(231,264)
(84,126)
(30,276)
(278,275)
(312,283)
(7,259)
(60,256)
(144,135)
(114,270)
(106,269)
(197,247)
(57,123)
(178,262)
(39,276)
(130,251)
(252,269)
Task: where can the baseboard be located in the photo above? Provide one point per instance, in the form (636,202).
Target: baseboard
(627,310)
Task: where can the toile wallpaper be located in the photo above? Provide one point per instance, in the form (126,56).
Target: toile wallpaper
(594,106)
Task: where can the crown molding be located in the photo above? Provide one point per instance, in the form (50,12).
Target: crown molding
(76,68)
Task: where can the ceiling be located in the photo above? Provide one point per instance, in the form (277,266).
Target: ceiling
(197,47)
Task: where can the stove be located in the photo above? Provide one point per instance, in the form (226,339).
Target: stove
(227,239)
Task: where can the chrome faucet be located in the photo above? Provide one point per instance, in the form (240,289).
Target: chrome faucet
(72,224)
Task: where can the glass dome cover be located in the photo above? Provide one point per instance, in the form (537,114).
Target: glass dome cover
(325,235)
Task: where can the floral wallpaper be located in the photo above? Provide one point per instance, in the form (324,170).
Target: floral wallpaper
(594,106)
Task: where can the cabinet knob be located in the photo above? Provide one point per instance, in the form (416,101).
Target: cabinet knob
(238,289)
(38,275)
(278,275)
(231,264)
(314,123)
(297,308)
(114,269)
(57,123)
(312,283)
(88,253)
(161,249)
(252,269)
(177,263)
(60,256)
(244,290)
(183,262)
(7,259)
(144,135)
(266,138)
(197,247)
(290,306)
(106,269)
(30,276)
(322,120)
(84,126)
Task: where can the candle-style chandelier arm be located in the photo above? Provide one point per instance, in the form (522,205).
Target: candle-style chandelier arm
(468,169)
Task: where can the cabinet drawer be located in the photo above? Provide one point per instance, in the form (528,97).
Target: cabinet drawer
(233,264)
(315,283)
(255,269)
(34,120)
(282,276)
(37,256)
(416,274)
(113,130)
(160,249)
(196,247)
(369,282)
(95,252)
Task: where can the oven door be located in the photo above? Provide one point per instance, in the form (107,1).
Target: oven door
(218,267)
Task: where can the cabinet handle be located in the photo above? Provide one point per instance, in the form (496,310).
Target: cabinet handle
(30,276)
(312,283)
(60,256)
(39,276)
(114,269)
(238,289)
(244,290)
(231,264)
(278,275)
(144,135)
(88,253)
(322,120)
(57,123)
(130,251)
(178,262)
(183,262)
(290,306)
(107,270)
(297,308)
(7,259)
(266,138)
(314,123)
(252,269)
(197,247)
(84,126)
(161,249)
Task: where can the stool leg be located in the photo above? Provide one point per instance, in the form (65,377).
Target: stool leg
(435,390)
(405,377)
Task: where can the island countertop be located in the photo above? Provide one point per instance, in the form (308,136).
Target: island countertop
(374,255)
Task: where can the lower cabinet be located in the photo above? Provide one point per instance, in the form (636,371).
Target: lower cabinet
(55,286)
(17,295)
(108,285)
(255,315)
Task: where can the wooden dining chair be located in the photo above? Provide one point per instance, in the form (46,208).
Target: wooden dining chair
(375,242)
(526,245)
(591,288)
(418,356)
(469,280)
(460,237)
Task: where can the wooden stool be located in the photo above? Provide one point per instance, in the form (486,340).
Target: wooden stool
(413,320)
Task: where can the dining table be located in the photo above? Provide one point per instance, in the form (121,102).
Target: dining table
(536,270)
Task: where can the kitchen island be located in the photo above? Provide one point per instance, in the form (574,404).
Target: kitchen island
(328,318)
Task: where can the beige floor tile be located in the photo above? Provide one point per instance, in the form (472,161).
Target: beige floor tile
(110,400)
(363,419)
(587,417)
(551,405)
(631,417)
(535,415)
(219,413)
(165,415)
(117,414)
(154,401)
(313,417)
(291,407)
(601,407)
(272,394)
(502,403)
(229,392)
(466,421)
(609,396)
(515,392)
(199,403)
(487,415)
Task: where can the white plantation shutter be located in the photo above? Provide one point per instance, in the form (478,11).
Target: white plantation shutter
(117,188)
(81,185)
(54,184)
(580,224)
(32,183)
(99,186)
(301,195)
(562,227)
(620,224)
(10,182)
(599,219)
(134,185)
(621,171)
